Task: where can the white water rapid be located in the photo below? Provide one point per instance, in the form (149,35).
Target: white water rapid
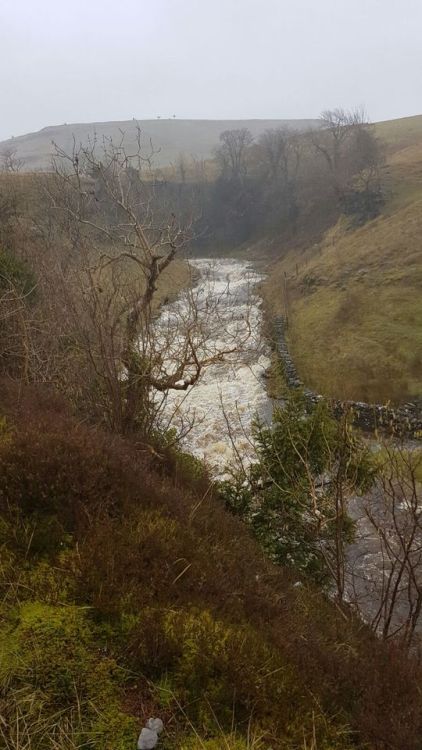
(231,392)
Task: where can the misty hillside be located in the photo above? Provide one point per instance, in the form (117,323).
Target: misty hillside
(355,293)
(169,137)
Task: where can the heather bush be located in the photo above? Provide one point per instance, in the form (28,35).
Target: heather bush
(55,482)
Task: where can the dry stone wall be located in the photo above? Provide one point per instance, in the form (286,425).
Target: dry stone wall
(404,420)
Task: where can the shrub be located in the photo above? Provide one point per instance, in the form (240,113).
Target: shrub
(132,562)
(183,467)
(15,272)
(306,460)
(362,205)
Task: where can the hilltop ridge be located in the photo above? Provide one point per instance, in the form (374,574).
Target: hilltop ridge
(170,138)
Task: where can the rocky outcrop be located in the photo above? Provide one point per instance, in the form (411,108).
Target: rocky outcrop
(404,420)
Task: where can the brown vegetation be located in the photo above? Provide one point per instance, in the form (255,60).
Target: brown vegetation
(187,595)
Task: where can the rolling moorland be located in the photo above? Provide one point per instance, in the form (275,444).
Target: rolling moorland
(133,583)
(170,138)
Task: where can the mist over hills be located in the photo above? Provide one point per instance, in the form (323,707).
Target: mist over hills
(170,137)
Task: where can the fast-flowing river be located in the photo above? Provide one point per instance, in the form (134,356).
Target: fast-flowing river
(219,409)
(230,392)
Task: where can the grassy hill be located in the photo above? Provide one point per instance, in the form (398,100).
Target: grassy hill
(193,138)
(397,134)
(355,298)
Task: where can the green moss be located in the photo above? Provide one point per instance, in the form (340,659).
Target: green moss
(208,662)
(212,669)
(52,655)
(222,742)
(262,740)
(52,582)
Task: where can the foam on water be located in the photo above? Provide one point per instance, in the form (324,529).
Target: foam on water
(231,392)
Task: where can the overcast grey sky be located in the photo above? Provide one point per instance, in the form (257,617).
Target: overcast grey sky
(92,60)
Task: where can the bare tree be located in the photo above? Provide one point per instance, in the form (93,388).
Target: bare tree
(122,240)
(181,168)
(231,155)
(279,154)
(337,124)
(387,576)
(9,161)
(342,140)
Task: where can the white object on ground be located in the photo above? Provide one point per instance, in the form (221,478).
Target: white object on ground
(147,740)
(156,725)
